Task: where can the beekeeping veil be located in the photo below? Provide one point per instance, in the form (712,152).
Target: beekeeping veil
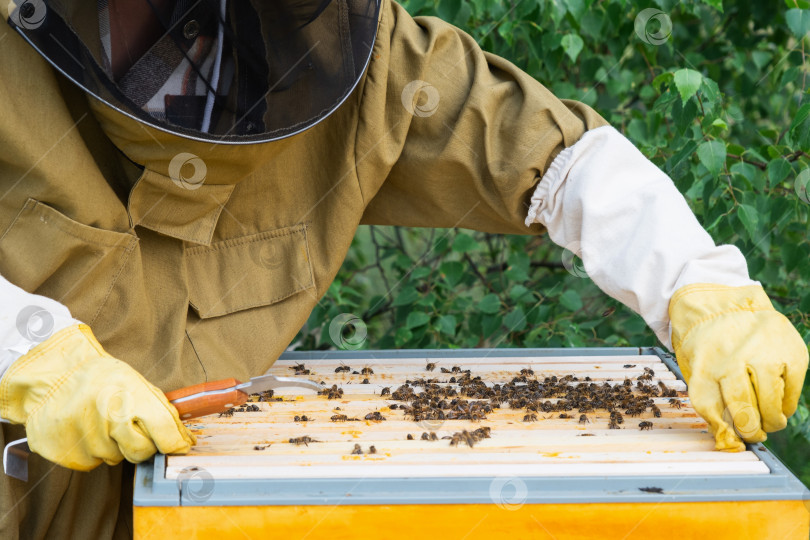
(276,67)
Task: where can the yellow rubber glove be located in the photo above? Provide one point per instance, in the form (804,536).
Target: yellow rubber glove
(743,361)
(81,406)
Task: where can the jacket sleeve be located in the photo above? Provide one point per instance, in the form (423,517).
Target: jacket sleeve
(451,136)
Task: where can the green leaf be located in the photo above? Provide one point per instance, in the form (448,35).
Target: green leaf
(489,304)
(448,9)
(519,292)
(464,243)
(407,295)
(798,20)
(801,116)
(687,81)
(515,320)
(447,325)
(402,336)
(572,45)
(713,155)
(417,318)
(570,300)
(749,218)
(491,324)
(452,272)
(716,4)
(777,170)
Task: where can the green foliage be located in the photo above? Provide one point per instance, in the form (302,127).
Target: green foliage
(714,92)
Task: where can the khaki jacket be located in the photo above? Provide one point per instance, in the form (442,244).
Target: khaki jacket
(197,284)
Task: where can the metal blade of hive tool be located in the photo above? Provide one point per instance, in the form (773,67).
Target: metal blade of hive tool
(15,459)
(270,382)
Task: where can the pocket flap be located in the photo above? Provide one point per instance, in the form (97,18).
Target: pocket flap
(249,271)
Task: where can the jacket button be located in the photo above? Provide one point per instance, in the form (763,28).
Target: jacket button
(191,29)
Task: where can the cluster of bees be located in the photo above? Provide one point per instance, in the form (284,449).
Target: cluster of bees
(443,402)
(359,449)
(468,437)
(468,397)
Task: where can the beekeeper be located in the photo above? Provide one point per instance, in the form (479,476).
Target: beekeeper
(180,182)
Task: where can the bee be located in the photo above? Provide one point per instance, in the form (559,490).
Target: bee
(305,440)
(300,369)
(675,402)
(342,369)
(365,381)
(455,369)
(332,393)
(409,437)
(645,425)
(656,411)
(531,417)
(483,432)
(252,408)
(430,367)
(386,392)
(628,366)
(227,413)
(526,371)
(563,415)
(583,419)
(429,436)
(339,418)
(367,371)
(260,447)
(445,370)
(463,436)
(372,450)
(357,449)
(375,416)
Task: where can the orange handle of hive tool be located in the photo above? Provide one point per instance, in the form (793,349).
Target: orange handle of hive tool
(210,404)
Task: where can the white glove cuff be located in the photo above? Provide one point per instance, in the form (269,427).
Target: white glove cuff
(26,320)
(603,200)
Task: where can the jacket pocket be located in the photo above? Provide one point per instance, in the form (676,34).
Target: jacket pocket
(47,253)
(249,271)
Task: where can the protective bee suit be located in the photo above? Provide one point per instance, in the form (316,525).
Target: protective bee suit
(177,221)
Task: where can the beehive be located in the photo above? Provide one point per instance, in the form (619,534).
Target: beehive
(559,477)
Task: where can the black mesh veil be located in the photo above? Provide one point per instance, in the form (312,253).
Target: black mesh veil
(283,65)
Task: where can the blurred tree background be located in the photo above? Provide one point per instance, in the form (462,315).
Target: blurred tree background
(713,91)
